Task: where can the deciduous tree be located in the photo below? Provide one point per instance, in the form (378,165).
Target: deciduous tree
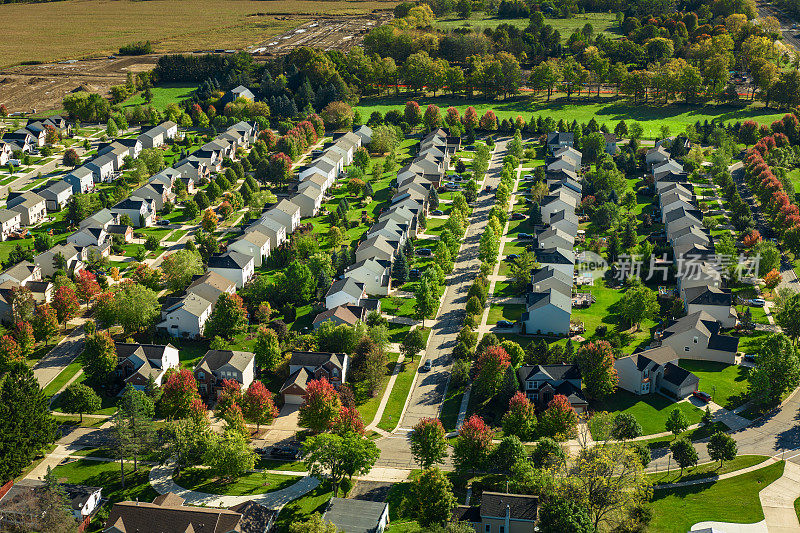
(559,419)
(229,317)
(683,452)
(320,407)
(722,447)
(178,393)
(520,419)
(472,447)
(428,442)
(596,362)
(434,496)
(78,398)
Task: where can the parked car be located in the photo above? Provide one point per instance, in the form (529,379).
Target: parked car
(512,257)
(286,452)
(703,396)
(517,216)
(524,236)
(453,186)
(163,222)
(426,366)
(488,187)
(750,357)
(413,273)
(505,324)
(757,302)
(262,451)
(456,177)
(437,212)
(424,252)
(528,177)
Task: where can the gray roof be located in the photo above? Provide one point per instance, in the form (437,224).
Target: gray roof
(214,359)
(347,285)
(231,259)
(355,516)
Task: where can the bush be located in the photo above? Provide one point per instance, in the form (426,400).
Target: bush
(136,49)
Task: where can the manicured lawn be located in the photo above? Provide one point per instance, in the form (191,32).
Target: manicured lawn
(107,475)
(698,433)
(650,410)
(504,289)
(367,404)
(450,407)
(608,111)
(601,22)
(726,383)
(511,312)
(301,508)
(62,379)
(730,500)
(287,466)
(162,96)
(202,480)
(397,398)
(706,470)
(398,306)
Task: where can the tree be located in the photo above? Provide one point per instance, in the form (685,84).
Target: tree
(86,285)
(333,457)
(99,357)
(313,524)
(676,422)
(683,452)
(45,323)
(78,398)
(229,456)
(559,420)
(412,113)
(320,407)
(428,442)
(491,366)
(258,406)
(348,421)
(472,447)
(625,427)
(638,304)
(210,220)
(596,362)
(777,370)
(434,497)
(71,158)
(66,304)
(772,279)
(179,267)
(135,419)
(561,515)
(547,453)
(229,317)
(520,419)
(135,307)
(722,447)
(425,300)
(267,349)
(178,393)
(26,425)
(412,343)
(400,269)
(516,355)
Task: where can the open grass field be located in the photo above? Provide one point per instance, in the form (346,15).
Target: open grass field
(607,111)
(651,411)
(85,28)
(162,96)
(107,475)
(601,22)
(730,500)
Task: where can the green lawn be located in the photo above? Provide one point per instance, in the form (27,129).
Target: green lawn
(694,435)
(451,406)
(397,398)
(511,312)
(107,475)
(650,410)
(367,404)
(398,306)
(608,111)
(730,500)
(286,466)
(162,96)
(62,379)
(727,383)
(601,22)
(202,480)
(706,470)
(504,289)
(301,508)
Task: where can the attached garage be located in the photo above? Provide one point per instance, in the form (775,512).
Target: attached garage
(678,381)
(295,387)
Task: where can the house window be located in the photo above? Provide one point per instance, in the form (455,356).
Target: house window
(336,372)
(685,348)
(695,340)
(203,388)
(535,397)
(488,528)
(201,375)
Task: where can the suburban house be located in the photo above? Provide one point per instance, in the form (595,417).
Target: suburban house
(5,153)
(240,92)
(365,133)
(31,207)
(541,382)
(309,201)
(560,139)
(559,258)
(547,313)
(101,219)
(102,167)
(715,301)
(117,152)
(186,317)
(172,516)
(88,237)
(322,167)
(655,370)
(377,247)
(219,365)
(697,336)
(274,229)
(563,162)
(255,244)
(156,192)
(554,238)
(121,146)
(139,363)
(696,273)
(48,261)
(347,314)
(667,168)
(374,274)
(554,203)
(357,516)
(570,152)
(158,135)
(500,513)
(345,291)
(56,195)
(142,212)
(546,278)
(611,143)
(307,366)
(22,273)
(690,235)
(10,222)
(313,182)
(83,502)
(288,214)
(565,220)
(655,157)
(234,266)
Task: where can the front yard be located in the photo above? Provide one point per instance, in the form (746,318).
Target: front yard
(650,410)
(726,383)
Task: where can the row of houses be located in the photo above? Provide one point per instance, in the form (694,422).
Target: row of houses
(548,303)
(708,307)
(31,137)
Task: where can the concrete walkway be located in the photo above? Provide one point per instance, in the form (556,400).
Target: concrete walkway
(778,498)
(162,482)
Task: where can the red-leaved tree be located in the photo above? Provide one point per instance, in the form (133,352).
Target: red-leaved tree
(9,352)
(472,447)
(66,304)
(348,421)
(258,405)
(87,286)
(178,394)
(559,420)
(520,419)
(320,407)
(491,366)
(230,394)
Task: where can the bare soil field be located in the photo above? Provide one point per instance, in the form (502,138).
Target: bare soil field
(81,34)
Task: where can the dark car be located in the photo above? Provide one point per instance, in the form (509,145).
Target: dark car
(424,252)
(512,257)
(437,212)
(524,236)
(262,451)
(163,222)
(703,396)
(286,452)
(750,357)
(413,273)
(505,324)
(517,216)
(426,366)
(488,188)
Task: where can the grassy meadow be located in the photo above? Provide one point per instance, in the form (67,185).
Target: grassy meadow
(601,22)
(85,28)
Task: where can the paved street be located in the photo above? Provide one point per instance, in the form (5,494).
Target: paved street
(60,356)
(430,387)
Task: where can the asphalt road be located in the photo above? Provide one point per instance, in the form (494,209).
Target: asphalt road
(430,387)
(791,37)
(59,357)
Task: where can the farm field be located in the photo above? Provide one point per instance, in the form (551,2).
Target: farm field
(84,28)
(610,112)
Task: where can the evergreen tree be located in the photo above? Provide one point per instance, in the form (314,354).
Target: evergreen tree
(400,269)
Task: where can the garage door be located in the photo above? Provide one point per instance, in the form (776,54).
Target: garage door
(294,399)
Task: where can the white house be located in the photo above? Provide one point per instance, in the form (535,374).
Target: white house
(255,244)
(234,266)
(274,229)
(102,167)
(48,262)
(309,201)
(288,214)
(323,167)
(31,207)
(141,211)
(374,274)
(715,301)
(345,291)
(88,237)
(547,313)
(187,317)
(315,182)
(656,156)
(138,363)
(10,222)
(56,195)
(377,247)
(81,179)
(365,132)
